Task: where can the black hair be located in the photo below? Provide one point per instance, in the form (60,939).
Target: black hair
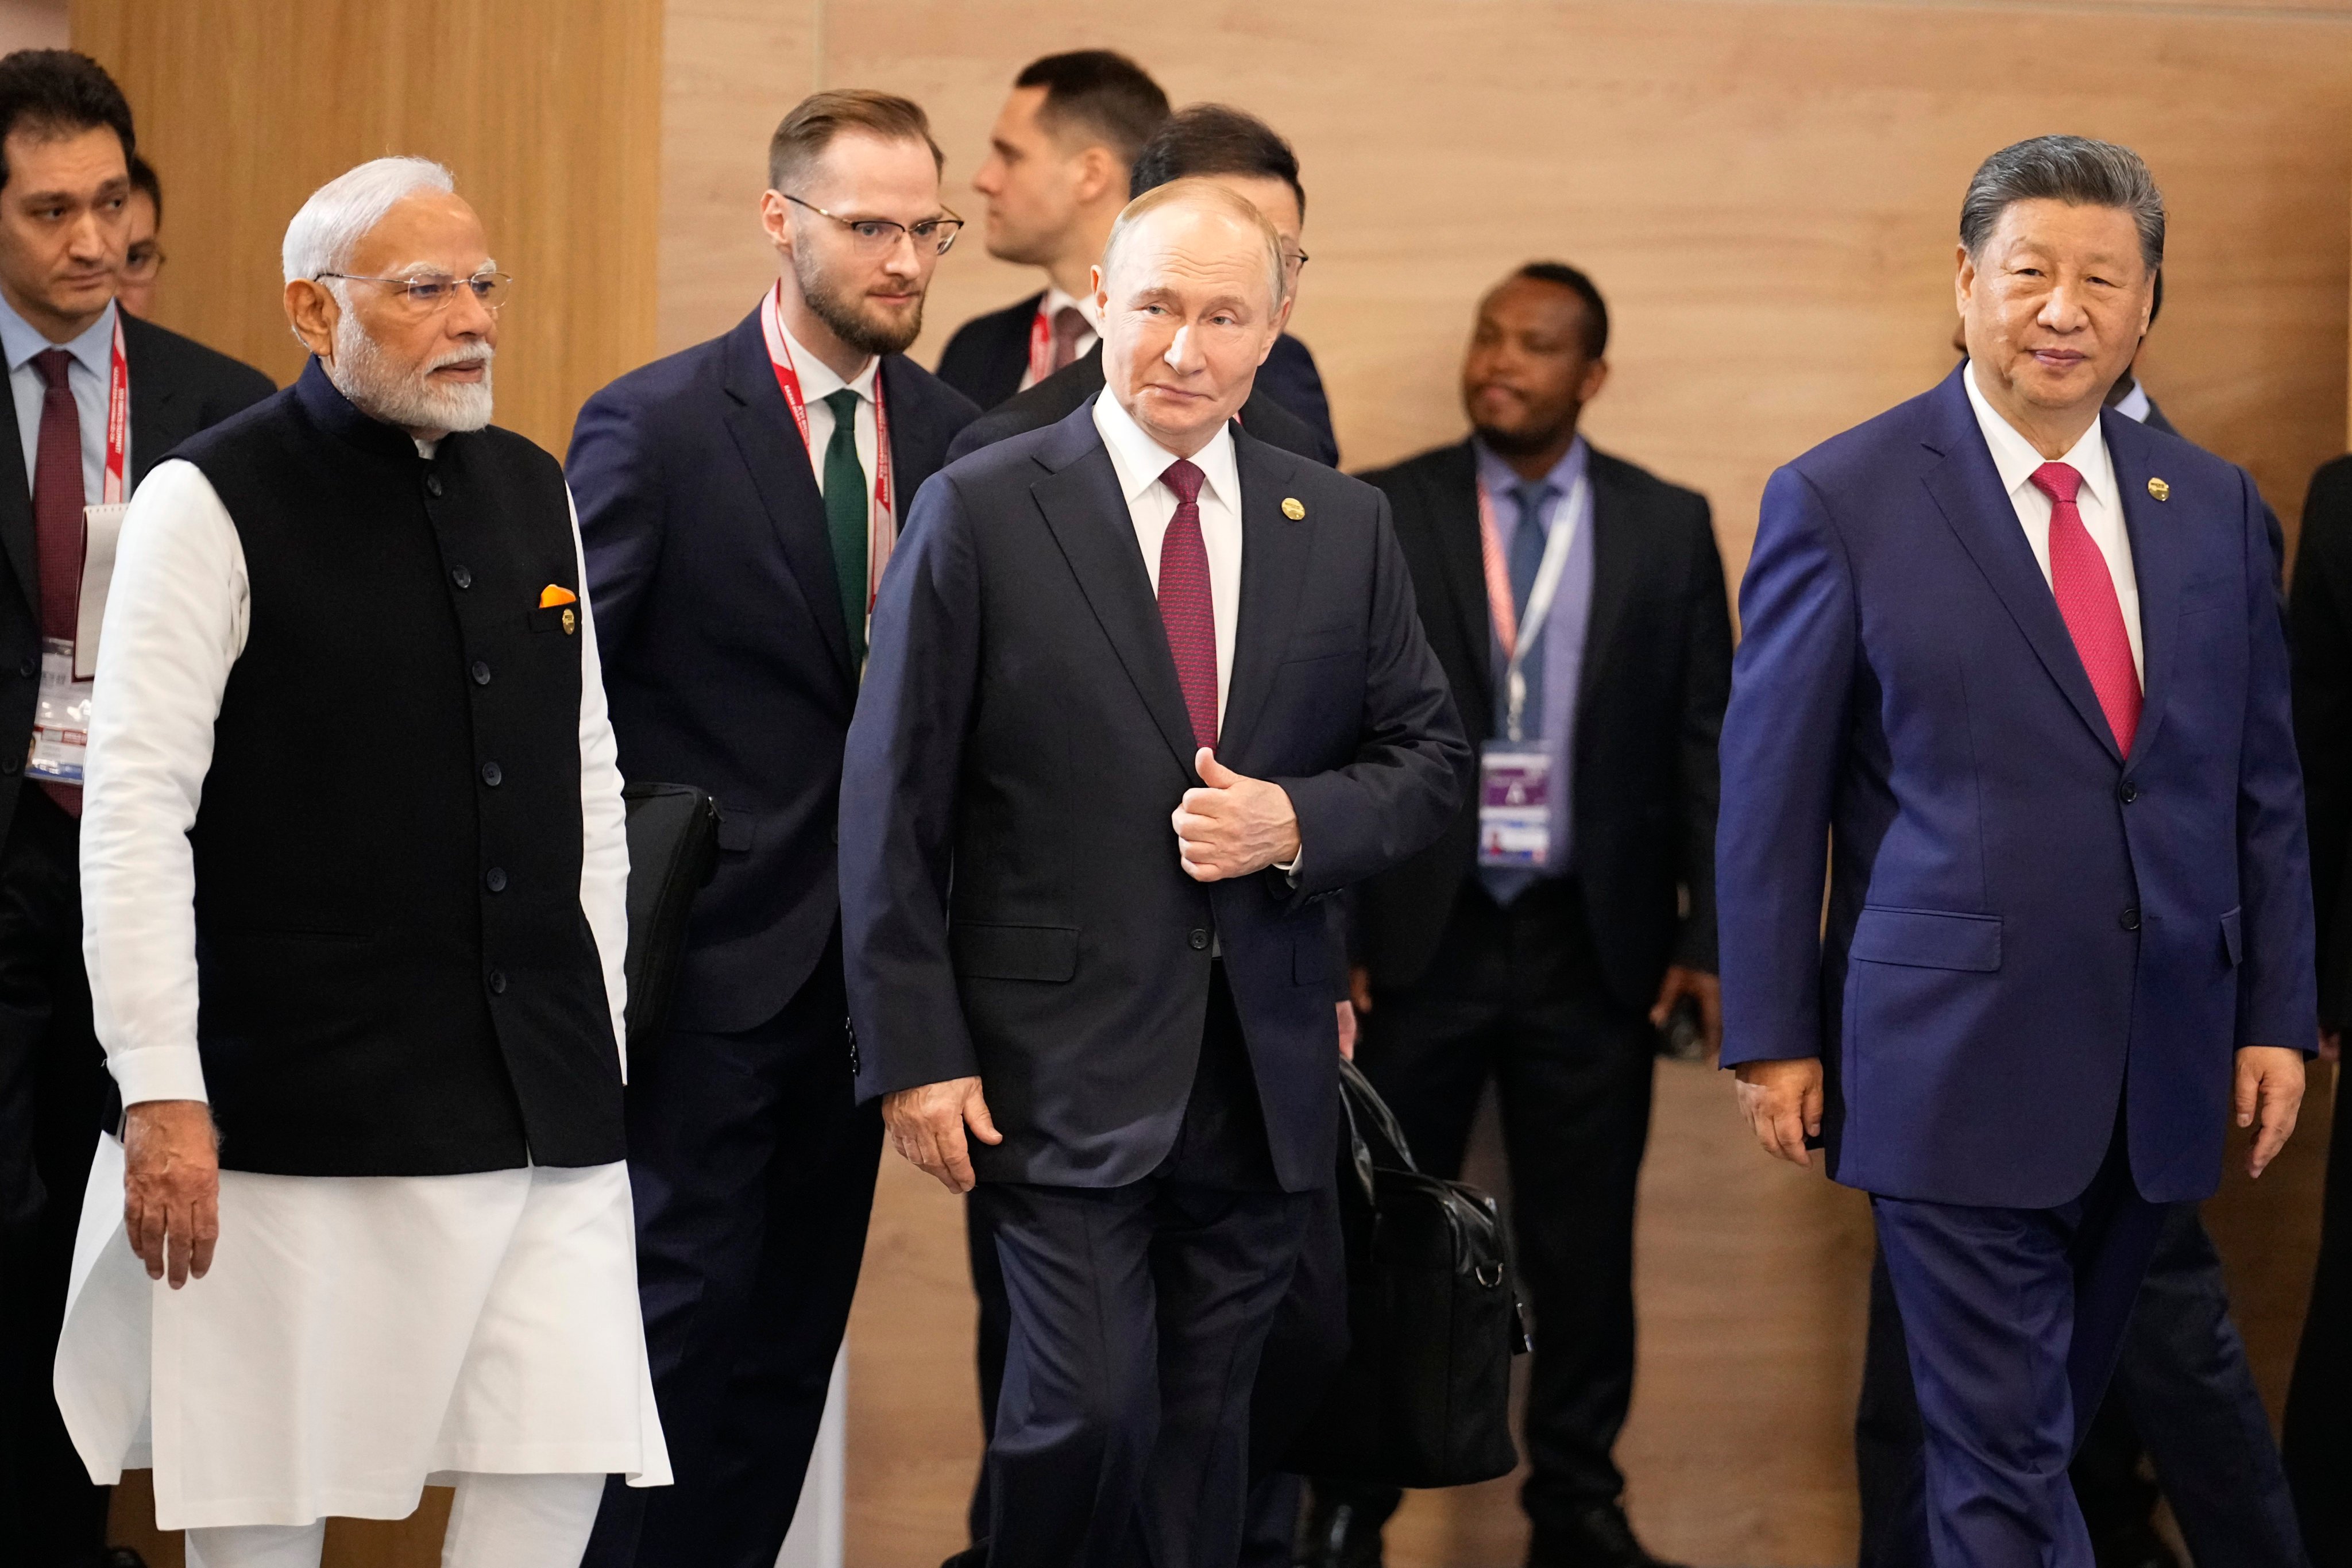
(1596,313)
(1212,139)
(59,93)
(2074,169)
(1101,92)
(144,178)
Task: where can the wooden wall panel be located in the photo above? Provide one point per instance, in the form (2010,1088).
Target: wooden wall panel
(548,111)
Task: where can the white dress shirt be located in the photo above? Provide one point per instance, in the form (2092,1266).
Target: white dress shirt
(1052,305)
(819,382)
(1139,461)
(2100,501)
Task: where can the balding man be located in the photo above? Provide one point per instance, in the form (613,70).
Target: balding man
(1121,1020)
(353,873)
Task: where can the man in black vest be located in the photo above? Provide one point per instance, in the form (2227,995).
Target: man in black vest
(355,876)
(1549,970)
(1054,177)
(738,500)
(65,147)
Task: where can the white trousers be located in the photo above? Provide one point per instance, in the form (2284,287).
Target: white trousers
(496,1521)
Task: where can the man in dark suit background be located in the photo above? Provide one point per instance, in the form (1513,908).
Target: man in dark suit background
(2183,1398)
(1242,152)
(1551,978)
(1127,997)
(737,501)
(66,141)
(1055,176)
(2318,1427)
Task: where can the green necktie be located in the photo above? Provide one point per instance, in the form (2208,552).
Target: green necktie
(845,516)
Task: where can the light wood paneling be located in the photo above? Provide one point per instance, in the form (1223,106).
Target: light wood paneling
(548,111)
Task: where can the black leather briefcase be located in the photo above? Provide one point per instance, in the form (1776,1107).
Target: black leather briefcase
(673,850)
(1434,1315)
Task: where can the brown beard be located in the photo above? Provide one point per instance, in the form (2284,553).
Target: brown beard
(840,312)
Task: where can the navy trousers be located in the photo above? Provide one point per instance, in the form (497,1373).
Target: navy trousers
(2013,1318)
(752,1167)
(2183,1393)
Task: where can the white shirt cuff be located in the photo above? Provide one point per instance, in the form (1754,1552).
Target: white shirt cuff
(159,1072)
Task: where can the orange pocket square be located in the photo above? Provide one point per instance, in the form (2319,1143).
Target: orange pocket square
(556,593)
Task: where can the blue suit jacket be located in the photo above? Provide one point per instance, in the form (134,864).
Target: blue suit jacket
(2026,929)
(725,655)
(1011,902)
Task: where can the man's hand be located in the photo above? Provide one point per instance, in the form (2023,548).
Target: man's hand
(2269,1095)
(171,1187)
(1684,981)
(1235,827)
(1347,1031)
(1783,1102)
(926,1125)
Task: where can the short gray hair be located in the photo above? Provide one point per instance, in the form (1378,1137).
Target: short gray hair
(340,213)
(2075,169)
(1197,190)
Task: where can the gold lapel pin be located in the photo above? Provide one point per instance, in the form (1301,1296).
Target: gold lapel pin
(571,621)
(1293,507)
(2159,490)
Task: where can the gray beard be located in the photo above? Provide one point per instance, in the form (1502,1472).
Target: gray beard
(381,390)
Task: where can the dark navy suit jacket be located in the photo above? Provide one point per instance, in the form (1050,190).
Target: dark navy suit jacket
(2026,929)
(1011,902)
(725,655)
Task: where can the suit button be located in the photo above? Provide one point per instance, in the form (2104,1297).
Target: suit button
(462,575)
(433,486)
(2129,792)
(2131,917)
(481,673)
(1199,938)
(24,666)
(498,982)
(495,879)
(12,766)
(492,774)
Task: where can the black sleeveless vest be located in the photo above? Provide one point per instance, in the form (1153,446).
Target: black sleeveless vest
(396,978)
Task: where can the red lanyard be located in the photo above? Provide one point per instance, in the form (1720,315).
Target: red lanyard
(882,531)
(117,419)
(1498,576)
(1040,346)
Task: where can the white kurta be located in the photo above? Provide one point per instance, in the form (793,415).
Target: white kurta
(356,1334)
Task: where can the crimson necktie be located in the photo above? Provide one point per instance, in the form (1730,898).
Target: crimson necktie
(57,500)
(1185,607)
(2087,602)
(1069,326)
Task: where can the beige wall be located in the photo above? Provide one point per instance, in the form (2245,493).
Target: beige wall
(1766,191)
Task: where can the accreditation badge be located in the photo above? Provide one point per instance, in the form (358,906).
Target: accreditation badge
(1514,804)
(60,717)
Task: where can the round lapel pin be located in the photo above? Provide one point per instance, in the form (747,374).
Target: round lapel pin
(2159,490)
(1293,507)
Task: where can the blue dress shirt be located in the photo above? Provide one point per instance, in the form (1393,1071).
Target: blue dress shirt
(93,360)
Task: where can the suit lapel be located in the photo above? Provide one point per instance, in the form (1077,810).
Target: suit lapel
(1083,505)
(2155,564)
(1275,551)
(158,418)
(1455,505)
(16,529)
(1966,489)
(770,443)
(1616,563)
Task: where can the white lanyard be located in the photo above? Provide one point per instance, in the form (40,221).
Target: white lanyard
(1499,591)
(882,529)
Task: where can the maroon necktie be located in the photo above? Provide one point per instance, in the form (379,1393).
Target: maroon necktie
(2086,598)
(1185,607)
(57,500)
(1069,326)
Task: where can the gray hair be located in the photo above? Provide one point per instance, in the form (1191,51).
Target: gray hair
(340,213)
(2075,169)
(1199,192)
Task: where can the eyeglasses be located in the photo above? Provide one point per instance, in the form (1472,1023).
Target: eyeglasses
(876,235)
(143,263)
(429,293)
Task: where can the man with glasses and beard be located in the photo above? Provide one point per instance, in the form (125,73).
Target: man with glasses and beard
(354,882)
(738,500)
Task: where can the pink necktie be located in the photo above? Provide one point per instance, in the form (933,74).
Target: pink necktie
(2087,602)
(1185,607)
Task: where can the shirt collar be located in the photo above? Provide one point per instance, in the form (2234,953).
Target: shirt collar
(2135,404)
(1501,479)
(1141,460)
(1056,298)
(2016,460)
(818,379)
(93,351)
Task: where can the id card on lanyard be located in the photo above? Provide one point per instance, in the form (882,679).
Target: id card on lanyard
(881,527)
(69,664)
(1514,772)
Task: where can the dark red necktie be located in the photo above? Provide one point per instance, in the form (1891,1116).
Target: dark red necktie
(2086,598)
(57,500)
(1069,326)
(1185,607)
